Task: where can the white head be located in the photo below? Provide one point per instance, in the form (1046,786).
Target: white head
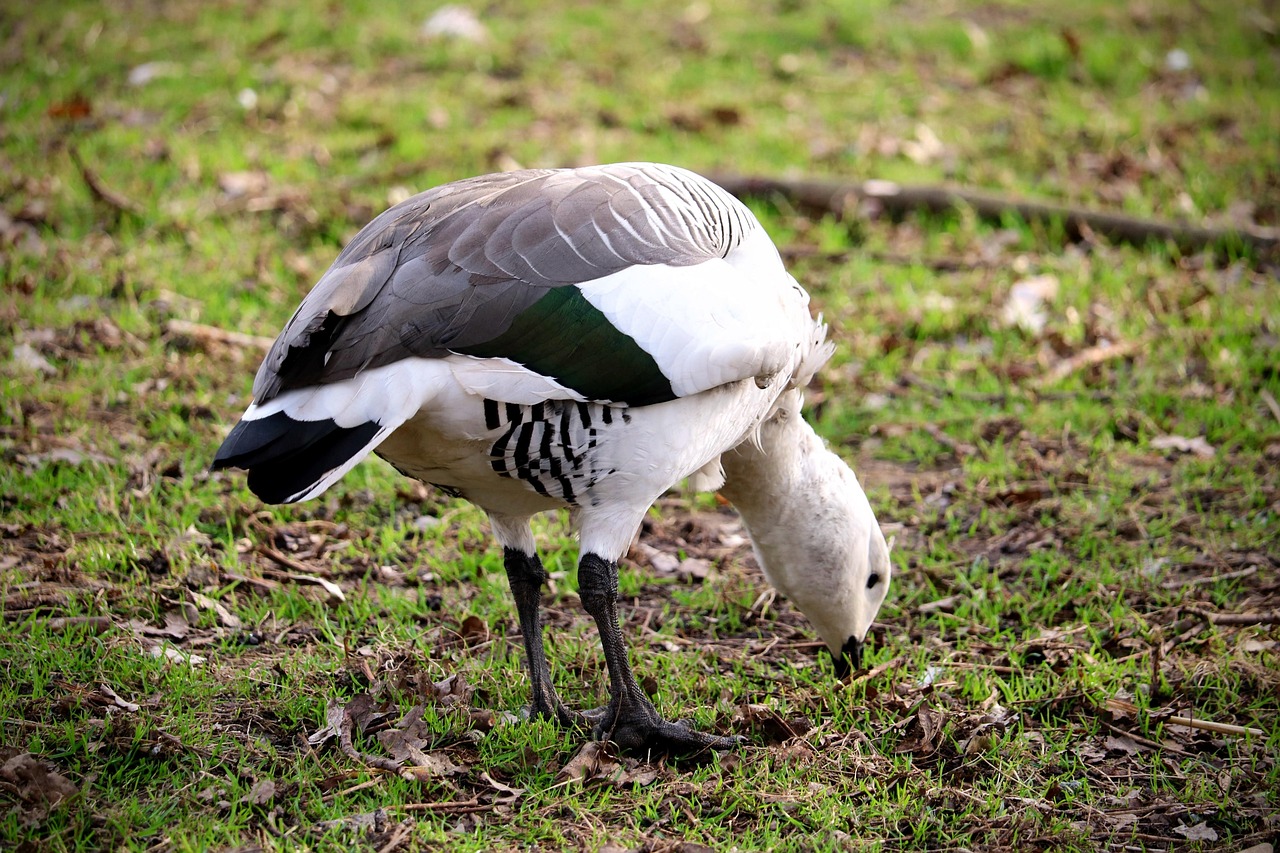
(813,530)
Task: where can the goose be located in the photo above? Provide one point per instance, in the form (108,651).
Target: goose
(586,339)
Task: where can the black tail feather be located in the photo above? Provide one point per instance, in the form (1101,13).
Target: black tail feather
(286,457)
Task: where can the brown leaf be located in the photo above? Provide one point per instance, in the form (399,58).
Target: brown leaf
(29,358)
(431,765)
(693,569)
(75,107)
(36,784)
(451,691)
(261,794)
(923,731)
(1123,744)
(366,712)
(659,561)
(473,630)
(1024,307)
(176,626)
(226,618)
(589,762)
(693,847)
(595,763)
(507,794)
(771,726)
(796,752)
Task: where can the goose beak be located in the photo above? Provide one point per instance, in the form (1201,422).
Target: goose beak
(849,658)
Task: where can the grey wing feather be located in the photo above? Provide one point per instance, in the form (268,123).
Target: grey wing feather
(455,265)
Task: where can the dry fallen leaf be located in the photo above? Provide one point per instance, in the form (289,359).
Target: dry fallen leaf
(116,700)
(923,731)
(261,794)
(226,618)
(771,726)
(506,794)
(1198,832)
(589,762)
(36,785)
(595,763)
(473,630)
(1180,444)
(1025,306)
(175,627)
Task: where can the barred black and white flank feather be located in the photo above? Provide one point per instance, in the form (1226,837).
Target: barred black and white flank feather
(581,338)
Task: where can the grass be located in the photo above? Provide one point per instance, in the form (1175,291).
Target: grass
(1056,556)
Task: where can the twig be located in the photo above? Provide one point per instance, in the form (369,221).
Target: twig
(206,336)
(1203,579)
(941,391)
(262,583)
(938,604)
(1089,357)
(101,191)
(945,264)
(396,840)
(876,671)
(349,750)
(1147,742)
(302,573)
(1126,707)
(94,624)
(1211,726)
(283,559)
(1270,400)
(1235,619)
(958,448)
(471,805)
(360,787)
(838,196)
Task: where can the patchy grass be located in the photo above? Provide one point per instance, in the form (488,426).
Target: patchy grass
(1084,505)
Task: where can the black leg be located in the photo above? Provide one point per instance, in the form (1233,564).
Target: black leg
(527,577)
(630,721)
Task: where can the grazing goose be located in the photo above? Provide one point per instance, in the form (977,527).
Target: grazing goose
(582,338)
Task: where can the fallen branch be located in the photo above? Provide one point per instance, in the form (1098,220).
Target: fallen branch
(1240,619)
(1125,707)
(874,672)
(206,337)
(957,448)
(1270,400)
(101,191)
(264,584)
(464,807)
(93,624)
(944,264)
(302,573)
(1211,726)
(1205,579)
(840,196)
(1089,357)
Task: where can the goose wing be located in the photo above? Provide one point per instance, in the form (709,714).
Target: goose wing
(631,283)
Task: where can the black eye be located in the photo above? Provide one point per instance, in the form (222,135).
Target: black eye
(873,580)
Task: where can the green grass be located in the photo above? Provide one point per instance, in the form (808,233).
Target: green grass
(1050,554)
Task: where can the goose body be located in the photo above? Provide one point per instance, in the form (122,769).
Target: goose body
(581,338)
